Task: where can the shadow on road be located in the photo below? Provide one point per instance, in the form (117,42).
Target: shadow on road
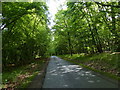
(63,74)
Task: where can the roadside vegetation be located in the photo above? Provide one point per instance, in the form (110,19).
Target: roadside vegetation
(87,28)
(21,77)
(25,37)
(88,33)
(105,63)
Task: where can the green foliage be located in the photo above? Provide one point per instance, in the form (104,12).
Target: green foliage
(87,27)
(25,32)
(21,77)
(103,58)
(105,63)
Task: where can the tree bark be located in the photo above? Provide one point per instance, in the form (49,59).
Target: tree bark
(69,42)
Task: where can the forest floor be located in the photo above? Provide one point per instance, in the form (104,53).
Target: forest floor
(107,64)
(22,76)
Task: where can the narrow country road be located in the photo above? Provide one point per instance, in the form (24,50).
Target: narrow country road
(63,74)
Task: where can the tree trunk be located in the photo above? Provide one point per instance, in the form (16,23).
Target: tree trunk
(69,42)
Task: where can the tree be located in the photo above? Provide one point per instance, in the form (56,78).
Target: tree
(25,32)
(88,27)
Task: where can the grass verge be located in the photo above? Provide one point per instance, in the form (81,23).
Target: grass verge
(21,77)
(104,63)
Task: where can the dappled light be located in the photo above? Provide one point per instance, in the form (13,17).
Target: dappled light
(85,35)
(64,73)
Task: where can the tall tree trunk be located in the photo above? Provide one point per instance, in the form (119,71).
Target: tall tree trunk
(99,46)
(113,29)
(69,42)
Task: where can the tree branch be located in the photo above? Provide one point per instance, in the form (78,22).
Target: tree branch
(117,6)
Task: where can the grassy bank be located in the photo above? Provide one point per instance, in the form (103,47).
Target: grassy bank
(105,63)
(20,77)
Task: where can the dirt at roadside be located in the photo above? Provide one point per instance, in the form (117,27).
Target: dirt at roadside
(102,67)
(38,80)
(30,70)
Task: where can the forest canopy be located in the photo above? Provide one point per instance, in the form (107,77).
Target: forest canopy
(87,27)
(25,33)
(84,27)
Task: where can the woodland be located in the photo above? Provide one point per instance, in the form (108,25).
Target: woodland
(84,27)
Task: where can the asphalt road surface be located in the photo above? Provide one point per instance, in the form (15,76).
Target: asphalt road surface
(63,74)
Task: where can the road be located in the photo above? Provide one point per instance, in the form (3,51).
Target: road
(63,74)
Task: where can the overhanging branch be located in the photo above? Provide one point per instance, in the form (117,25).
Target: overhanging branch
(117,6)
